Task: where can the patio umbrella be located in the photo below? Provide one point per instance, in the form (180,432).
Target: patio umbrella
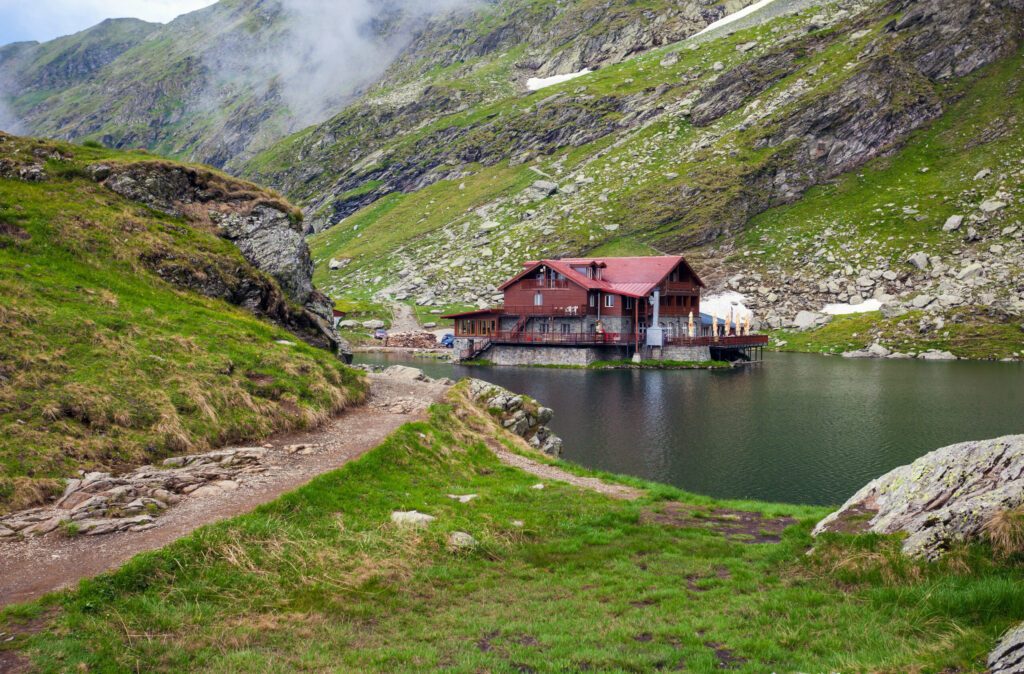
(714,325)
(690,330)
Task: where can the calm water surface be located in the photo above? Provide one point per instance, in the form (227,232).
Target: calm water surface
(798,428)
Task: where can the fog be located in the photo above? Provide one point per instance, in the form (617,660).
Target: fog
(329,52)
(310,56)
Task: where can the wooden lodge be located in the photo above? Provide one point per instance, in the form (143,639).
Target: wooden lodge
(576,310)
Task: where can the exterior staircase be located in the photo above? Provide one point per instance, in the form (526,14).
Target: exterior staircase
(520,325)
(479,346)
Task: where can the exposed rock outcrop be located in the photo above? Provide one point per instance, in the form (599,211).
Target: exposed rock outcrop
(101,503)
(264,228)
(1008,656)
(943,498)
(519,414)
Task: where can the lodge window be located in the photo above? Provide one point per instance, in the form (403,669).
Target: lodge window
(629,302)
(593,300)
(609,301)
(538,300)
(566,328)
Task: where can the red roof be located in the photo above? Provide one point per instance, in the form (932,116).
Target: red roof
(629,276)
(478,312)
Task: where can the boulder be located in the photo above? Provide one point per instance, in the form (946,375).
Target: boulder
(1008,655)
(373,324)
(953,223)
(878,351)
(943,498)
(460,540)
(405,372)
(919,260)
(969,272)
(806,320)
(936,355)
(992,205)
(862,353)
(922,301)
(411,519)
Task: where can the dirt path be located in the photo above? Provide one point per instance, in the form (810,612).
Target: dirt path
(404,319)
(547,472)
(33,567)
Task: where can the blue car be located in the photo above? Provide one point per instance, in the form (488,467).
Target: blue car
(448,341)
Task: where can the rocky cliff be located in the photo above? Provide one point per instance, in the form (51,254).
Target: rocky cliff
(263,227)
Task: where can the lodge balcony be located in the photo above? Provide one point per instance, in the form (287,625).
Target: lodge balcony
(534,284)
(553,311)
(621,339)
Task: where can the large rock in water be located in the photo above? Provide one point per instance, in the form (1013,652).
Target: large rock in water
(943,498)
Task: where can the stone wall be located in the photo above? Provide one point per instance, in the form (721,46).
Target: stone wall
(689,353)
(549,355)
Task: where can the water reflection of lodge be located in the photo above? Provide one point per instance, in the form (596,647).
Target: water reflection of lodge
(635,303)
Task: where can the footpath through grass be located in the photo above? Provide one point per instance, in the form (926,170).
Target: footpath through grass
(104,363)
(562,580)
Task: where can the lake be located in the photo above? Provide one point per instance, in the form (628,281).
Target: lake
(798,428)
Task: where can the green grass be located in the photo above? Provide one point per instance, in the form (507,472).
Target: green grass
(974,333)
(103,364)
(320,580)
(378,229)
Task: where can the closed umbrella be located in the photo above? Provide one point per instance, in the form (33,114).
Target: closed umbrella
(691,325)
(714,325)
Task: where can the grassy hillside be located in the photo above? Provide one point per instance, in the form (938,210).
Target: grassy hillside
(105,364)
(562,580)
(788,153)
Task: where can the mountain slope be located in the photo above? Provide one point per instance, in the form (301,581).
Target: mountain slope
(127,334)
(459,72)
(40,68)
(677,150)
(219,84)
(212,85)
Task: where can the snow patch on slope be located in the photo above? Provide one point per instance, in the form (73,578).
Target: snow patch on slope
(722,304)
(735,16)
(844,309)
(536,83)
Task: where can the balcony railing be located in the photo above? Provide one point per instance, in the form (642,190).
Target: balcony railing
(730,340)
(557,284)
(560,310)
(623,338)
(563,338)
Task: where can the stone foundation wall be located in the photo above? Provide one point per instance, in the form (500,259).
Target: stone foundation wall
(549,355)
(693,353)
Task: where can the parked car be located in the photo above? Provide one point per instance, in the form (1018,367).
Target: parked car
(380,333)
(448,341)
